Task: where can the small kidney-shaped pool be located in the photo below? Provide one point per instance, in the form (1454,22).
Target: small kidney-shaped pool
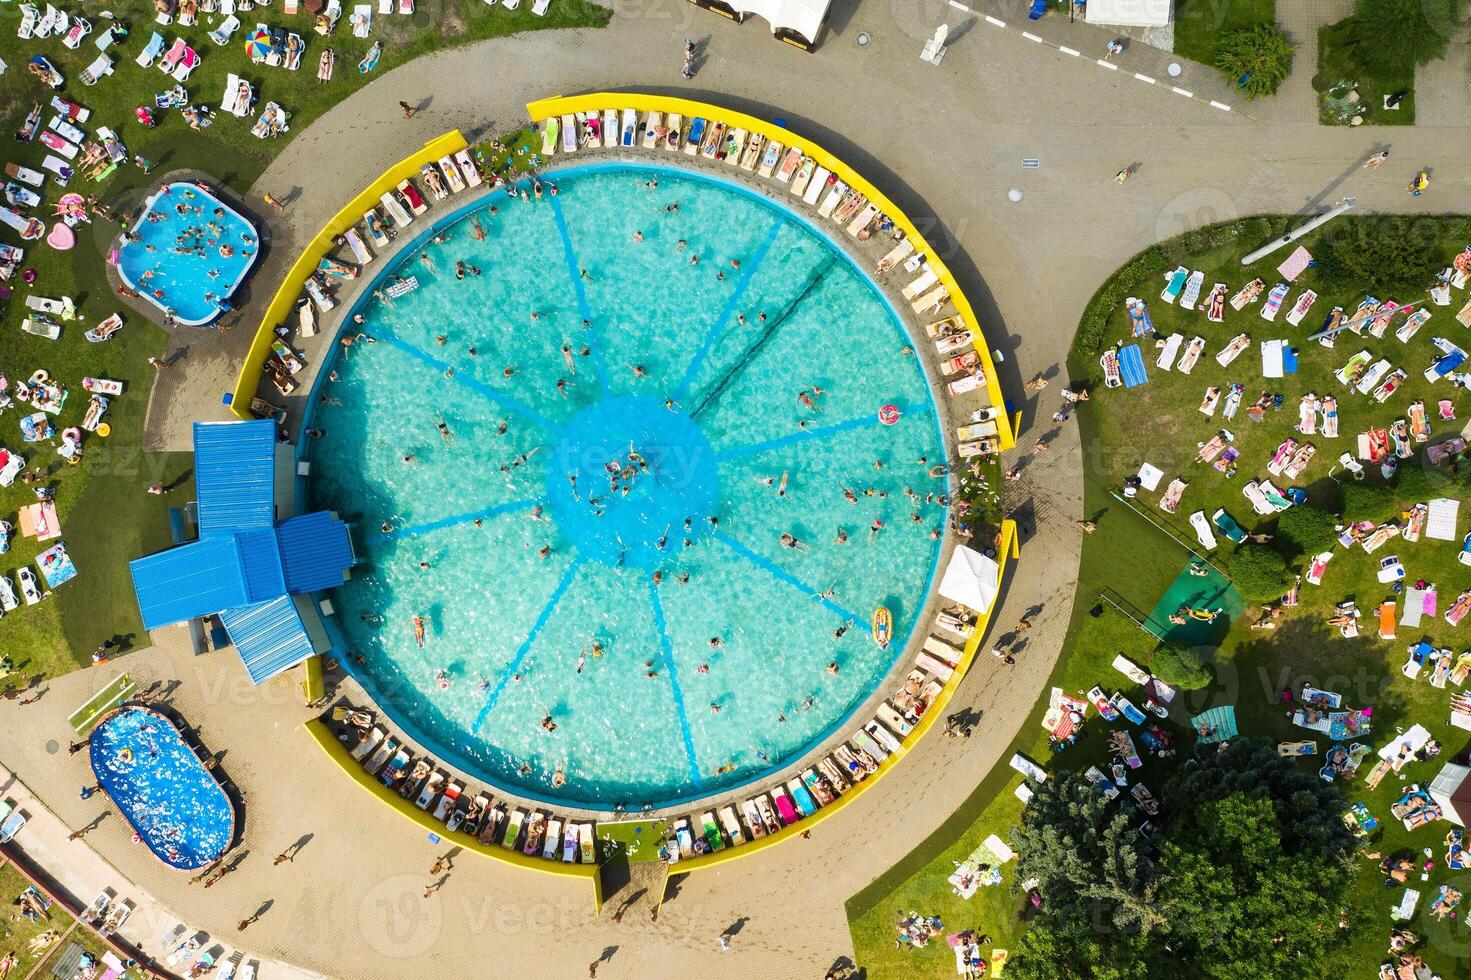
(157,782)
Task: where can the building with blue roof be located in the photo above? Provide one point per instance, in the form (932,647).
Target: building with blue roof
(256,573)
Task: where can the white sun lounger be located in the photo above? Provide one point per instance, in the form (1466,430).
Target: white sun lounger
(1170,351)
(468,170)
(732,826)
(395,210)
(1203,532)
(359,248)
(926,281)
(238,96)
(861,222)
(367,745)
(939,668)
(222,34)
(362,20)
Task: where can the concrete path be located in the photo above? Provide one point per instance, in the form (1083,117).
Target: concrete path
(946,141)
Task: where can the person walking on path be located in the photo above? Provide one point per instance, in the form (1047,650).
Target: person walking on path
(407,109)
(158,364)
(1123,175)
(273,202)
(1374,162)
(439,866)
(1115,47)
(688,71)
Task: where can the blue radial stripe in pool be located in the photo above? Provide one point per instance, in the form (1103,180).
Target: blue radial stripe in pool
(574,269)
(536,627)
(674,687)
(549,612)
(717,325)
(781,574)
(480,388)
(484,514)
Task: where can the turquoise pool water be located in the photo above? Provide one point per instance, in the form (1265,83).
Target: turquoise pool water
(621,475)
(162,789)
(192,251)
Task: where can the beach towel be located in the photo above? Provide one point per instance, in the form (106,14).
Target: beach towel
(1294,264)
(1382,317)
(1233,401)
(1174,283)
(1301,307)
(1169,350)
(1109,361)
(1139,319)
(1131,366)
(1317,567)
(56,565)
(1274,301)
(1441,524)
(1191,294)
(1272,366)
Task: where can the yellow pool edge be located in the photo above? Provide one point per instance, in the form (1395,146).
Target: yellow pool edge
(322,733)
(543,109)
(247,382)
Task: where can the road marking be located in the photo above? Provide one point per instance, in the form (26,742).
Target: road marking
(1180,91)
(994,22)
(1144,78)
(959,6)
(1031,37)
(1031,163)
(1220,105)
(1107,64)
(1075,54)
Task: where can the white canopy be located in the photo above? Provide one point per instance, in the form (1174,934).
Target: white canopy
(971,579)
(1129,13)
(1449,789)
(803,17)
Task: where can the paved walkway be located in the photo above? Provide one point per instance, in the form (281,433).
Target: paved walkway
(946,141)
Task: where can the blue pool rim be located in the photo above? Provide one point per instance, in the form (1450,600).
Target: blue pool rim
(453,759)
(210,776)
(234,286)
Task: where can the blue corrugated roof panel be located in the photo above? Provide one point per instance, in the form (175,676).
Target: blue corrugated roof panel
(260,557)
(234,475)
(316,552)
(195,579)
(269,636)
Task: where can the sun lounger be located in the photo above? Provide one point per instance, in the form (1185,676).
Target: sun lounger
(97,69)
(1274,301)
(409,194)
(784,806)
(1372,376)
(238,97)
(367,745)
(536,828)
(272,122)
(1174,284)
(362,20)
(79,29)
(709,830)
(1191,356)
(858,224)
(1169,351)
(381,755)
(452,174)
(1233,349)
(1028,768)
(431,789)
(732,826)
(395,210)
(1301,307)
(359,248)
(513,829)
(469,172)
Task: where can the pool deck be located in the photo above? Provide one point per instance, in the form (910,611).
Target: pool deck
(946,141)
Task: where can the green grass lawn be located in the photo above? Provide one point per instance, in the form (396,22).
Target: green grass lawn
(1340,73)
(1135,560)
(1199,24)
(16,932)
(106,516)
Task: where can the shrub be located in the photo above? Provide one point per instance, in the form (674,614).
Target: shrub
(1259,573)
(1180,666)
(1417,484)
(1305,530)
(1257,59)
(1367,502)
(1390,34)
(1386,254)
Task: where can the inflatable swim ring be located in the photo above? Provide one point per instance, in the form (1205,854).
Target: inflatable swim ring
(889,414)
(883,627)
(103,429)
(125,755)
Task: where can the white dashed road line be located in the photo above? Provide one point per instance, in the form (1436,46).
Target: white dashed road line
(994,22)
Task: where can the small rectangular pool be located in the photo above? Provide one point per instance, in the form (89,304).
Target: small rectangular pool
(188,253)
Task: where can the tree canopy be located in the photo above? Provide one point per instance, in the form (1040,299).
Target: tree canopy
(1390,34)
(1259,573)
(1257,59)
(1246,880)
(1390,255)
(1180,666)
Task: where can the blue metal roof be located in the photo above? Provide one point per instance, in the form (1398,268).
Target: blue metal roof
(234,475)
(315,552)
(269,636)
(195,579)
(260,558)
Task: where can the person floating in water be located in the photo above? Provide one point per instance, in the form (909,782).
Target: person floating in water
(419,630)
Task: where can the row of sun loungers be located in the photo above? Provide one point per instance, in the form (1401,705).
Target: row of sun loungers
(478,815)
(851,762)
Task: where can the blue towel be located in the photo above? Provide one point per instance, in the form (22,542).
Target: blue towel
(1131,366)
(1289,360)
(1039,9)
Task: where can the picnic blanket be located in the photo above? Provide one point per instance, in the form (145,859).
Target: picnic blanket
(56,565)
(1294,264)
(1215,725)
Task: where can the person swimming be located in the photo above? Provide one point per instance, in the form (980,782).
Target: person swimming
(419,630)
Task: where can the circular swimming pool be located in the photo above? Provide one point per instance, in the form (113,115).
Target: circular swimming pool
(617,452)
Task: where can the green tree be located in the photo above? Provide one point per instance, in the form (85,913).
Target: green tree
(1367,502)
(1048,951)
(1180,666)
(1306,530)
(1390,34)
(1389,255)
(1257,59)
(1259,573)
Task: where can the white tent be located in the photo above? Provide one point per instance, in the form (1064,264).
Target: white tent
(1129,13)
(800,17)
(971,579)
(1451,791)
